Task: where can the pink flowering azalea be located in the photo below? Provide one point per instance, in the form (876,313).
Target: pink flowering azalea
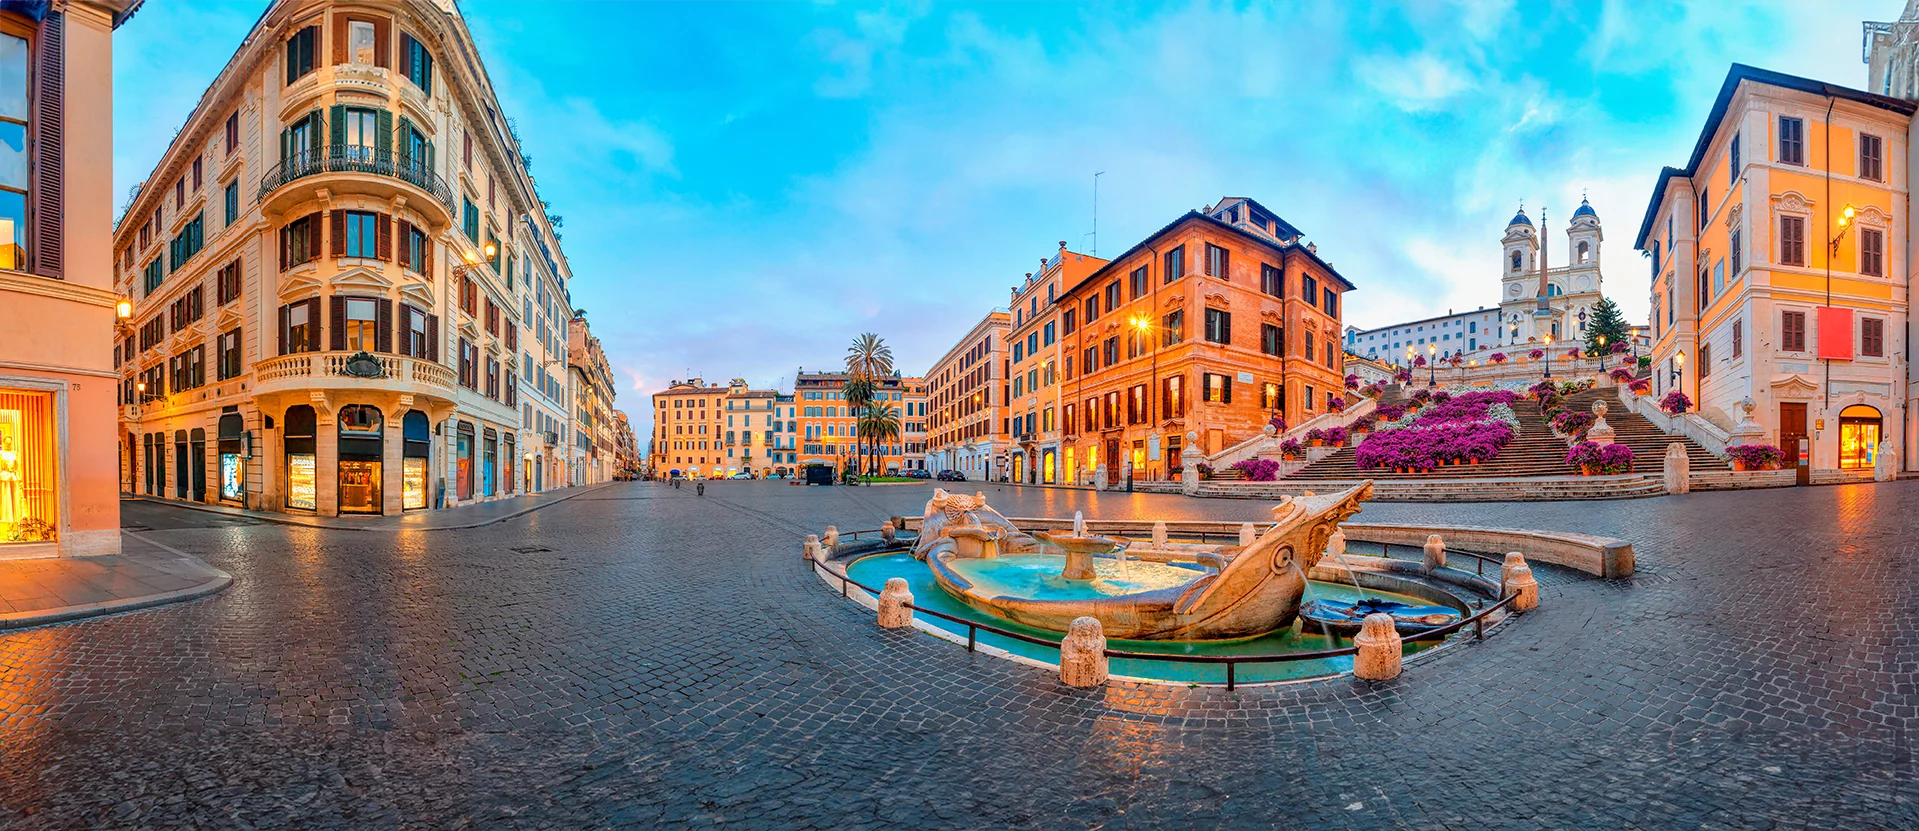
(1497,357)
(1675,402)
(1536,354)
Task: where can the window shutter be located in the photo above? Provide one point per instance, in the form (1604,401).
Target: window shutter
(286,316)
(339,38)
(313,325)
(406,330)
(383,328)
(338,221)
(404,236)
(383,245)
(426,254)
(406,55)
(337,321)
(382,32)
(336,134)
(433,338)
(383,135)
(49,188)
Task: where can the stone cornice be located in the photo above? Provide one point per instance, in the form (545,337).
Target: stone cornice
(20,282)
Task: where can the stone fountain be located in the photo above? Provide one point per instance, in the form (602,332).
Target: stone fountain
(981,559)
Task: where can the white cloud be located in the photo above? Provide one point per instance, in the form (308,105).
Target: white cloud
(1417,83)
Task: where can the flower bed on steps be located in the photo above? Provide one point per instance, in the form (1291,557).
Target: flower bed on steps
(1460,429)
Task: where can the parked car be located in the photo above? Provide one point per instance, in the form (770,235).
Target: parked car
(917,474)
(951,476)
(741,475)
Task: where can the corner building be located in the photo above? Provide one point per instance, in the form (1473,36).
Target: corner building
(331,269)
(966,398)
(1779,258)
(1213,325)
(57,300)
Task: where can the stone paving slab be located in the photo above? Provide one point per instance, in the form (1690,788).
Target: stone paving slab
(639,657)
(144,574)
(446,519)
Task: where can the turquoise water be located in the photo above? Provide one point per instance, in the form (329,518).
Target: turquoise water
(874,571)
(1037,576)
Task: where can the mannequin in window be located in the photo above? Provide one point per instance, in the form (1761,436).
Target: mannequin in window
(11,486)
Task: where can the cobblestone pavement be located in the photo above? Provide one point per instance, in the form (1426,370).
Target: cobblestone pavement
(642,657)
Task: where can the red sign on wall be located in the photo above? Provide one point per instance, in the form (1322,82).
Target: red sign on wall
(1835,333)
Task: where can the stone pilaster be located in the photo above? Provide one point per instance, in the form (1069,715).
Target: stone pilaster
(326,464)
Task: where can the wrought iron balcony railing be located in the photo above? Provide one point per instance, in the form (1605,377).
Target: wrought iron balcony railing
(352,159)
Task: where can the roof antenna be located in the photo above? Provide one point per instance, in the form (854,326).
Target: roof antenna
(1096,176)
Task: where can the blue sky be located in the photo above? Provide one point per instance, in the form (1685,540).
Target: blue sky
(747,186)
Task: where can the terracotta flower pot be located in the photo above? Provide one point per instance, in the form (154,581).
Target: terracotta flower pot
(1589,470)
(1315,442)
(1738,464)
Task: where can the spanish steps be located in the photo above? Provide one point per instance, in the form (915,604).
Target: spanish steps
(1534,451)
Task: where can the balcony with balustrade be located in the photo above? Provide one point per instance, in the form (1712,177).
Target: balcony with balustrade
(343,169)
(303,373)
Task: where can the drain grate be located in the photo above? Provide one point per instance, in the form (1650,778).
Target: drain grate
(531,549)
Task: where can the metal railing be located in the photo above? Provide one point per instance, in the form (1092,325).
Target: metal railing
(1477,620)
(341,158)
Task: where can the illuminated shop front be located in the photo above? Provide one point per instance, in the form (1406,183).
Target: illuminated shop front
(233,454)
(489,461)
(29,467)
(418,437)
(464,455)
(360,457)
(303,490)
(1859,431)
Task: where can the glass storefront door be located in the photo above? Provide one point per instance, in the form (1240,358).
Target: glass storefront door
(1858,437)
(303,486)
(29,467)
(359,487)
(362,446)
(464,455)
(418,437)
(233,472)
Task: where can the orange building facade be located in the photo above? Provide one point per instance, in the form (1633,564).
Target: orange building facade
(1213,325)
(966,399)
(1036,360)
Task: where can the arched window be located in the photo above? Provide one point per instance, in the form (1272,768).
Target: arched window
(1552,290)
(1585,252)
(1515,260)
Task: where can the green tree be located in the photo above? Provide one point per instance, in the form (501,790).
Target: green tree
(1606,322)
(868,360)
(878,424)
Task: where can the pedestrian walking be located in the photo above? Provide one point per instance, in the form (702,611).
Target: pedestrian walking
(700,489)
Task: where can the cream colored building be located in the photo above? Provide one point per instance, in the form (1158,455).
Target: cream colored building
(966,396)
(590,383)
(703,431)
(58,488)
(1779,258)
(329,268)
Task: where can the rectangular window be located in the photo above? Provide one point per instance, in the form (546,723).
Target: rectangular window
(1331,304)
(362,234)
(1138,280)
(1112,295)
(233,132)
(362,319)
(1872,337)
(299,53)
(1219,326)
(1705,361)
(1175,264)
(300,241)
(1092,308)
(232,199)
(228,283)
(1046,331)
(1218,262)
(1218,389)
(299,330)
(1872,252)
(1309,288)
(1270,397)
(470,220)
(1792,331)
(1272,280)
(1172,396)
(414,250)
(1792,140)
(1792,240)
(1719,277)
(1732,170)
(360,42)
(1733,242)
(1111,350)
(229,360)
(1872,163)
(1272,340)
(1705,209)
(1174,326)
(1068,321)
(1738,338)
(416,64)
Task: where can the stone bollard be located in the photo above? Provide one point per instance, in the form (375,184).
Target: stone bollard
(1247,534)
(1886,467)
(1435,553)
(811,549)
(831,539)
(1099,477)
(1159,535)
(1678,469)
(894,600)
(1189,479)
(1082,655)
(1379,648)
(1516,576)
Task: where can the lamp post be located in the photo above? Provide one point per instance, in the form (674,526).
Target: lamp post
(1678,369)
(1549,357)
(1432,359)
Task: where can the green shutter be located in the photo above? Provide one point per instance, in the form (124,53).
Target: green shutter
(337,136)
(383,141)
(406,140)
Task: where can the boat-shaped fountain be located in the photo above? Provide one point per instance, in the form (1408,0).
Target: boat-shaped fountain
(1165,592)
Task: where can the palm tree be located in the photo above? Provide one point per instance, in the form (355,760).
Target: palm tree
(878,424)
(868,360)
(859,394)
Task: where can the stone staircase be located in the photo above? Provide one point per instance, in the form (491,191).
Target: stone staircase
(1535,451)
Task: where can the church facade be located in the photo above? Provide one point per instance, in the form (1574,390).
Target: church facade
(1546,295)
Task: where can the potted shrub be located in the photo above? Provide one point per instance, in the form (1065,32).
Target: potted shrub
(1640,386)
(1315,437)
(1278,423)
(1755,457)
(1290,449)
(1536,354)
(1336,436)
(1337,405)
(1620,374)
(1571,423)
(1497,357)
(1675,402)
(1363,424)
(1257,470)
(1403,376)
(1618,347)
(1205,470)
(1352,382)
